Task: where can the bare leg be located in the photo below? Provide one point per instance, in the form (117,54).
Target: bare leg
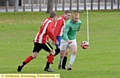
(73,56)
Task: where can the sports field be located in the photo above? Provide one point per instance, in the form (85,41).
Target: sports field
(101,60)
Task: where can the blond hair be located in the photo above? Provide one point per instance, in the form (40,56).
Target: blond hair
(75,14)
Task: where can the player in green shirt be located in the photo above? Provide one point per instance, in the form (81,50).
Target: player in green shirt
(69,38)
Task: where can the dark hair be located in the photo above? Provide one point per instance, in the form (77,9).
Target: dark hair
(67,11)
(52,14)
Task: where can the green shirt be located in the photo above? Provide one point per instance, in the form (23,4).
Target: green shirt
(71,29)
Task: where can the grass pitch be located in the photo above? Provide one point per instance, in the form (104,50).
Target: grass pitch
(101,60)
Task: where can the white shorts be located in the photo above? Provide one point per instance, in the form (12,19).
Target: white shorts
(64,44)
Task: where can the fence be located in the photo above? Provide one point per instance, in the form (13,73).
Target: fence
(41,5)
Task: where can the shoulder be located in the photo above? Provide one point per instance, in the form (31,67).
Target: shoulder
(79,21)
(60,19)
(68,24)
(51,22)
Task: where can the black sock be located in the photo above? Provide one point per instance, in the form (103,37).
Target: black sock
(64,62)
(57,51)
(47,65)
(23,64)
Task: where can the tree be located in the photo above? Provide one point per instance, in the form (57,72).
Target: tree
(49,6)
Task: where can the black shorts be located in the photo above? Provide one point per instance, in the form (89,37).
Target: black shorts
(47,47)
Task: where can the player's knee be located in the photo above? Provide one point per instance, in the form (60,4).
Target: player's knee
(74,52)
(62,54)
(66,54)
(52,52)
(34,57)
(34,54)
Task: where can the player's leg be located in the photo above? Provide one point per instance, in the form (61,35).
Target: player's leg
(65,60)
(47,47)
(62,52)
(57,50)
(63,47)
(31,57)
(63,63)
(73,47)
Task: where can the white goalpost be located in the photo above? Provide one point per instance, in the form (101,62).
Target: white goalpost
(88,28)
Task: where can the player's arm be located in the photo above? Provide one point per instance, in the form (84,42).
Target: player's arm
(79,25)
(66,29)
(50,33)
(58,27)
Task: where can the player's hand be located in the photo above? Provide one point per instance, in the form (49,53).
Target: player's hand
(69,41)
(48,41)
(54,42)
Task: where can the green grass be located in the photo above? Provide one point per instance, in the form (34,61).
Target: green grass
(101,60)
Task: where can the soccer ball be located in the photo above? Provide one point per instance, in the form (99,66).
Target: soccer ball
(84,44)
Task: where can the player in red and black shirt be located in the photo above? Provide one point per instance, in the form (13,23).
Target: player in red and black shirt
(41,42)
(58,32)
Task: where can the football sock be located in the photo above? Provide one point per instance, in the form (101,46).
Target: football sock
(64,62)
(61,60)
(50,58)
(72,59)
(28,59)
